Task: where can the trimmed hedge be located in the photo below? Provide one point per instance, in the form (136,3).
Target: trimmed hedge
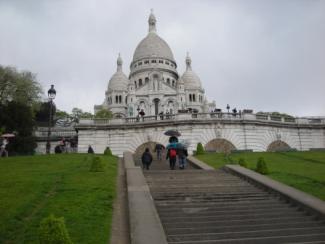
(108,152)
(261,166)
(242,162)
(199,149)
(97,165)
(53,231)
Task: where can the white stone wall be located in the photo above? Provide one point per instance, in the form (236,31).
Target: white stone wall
(242,136)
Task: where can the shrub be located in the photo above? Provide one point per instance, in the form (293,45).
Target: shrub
(261,166)
(97,165)
(108,152)
(53,230)
(199,149)
(242,162)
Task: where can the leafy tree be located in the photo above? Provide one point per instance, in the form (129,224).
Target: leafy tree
(276,114)
(42,116)
(62,114)
(104,114)
(77,113)
(17,86)
(86,115)
(18,117)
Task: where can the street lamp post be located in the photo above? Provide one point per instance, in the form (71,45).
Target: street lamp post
(51,95)
(138,116)
(138,109)
(228,107)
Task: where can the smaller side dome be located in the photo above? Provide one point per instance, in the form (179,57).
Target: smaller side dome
(119,81)
(190,79)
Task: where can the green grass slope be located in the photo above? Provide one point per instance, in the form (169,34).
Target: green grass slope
(33,187)
(302,170)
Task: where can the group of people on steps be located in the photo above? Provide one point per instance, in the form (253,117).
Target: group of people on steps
(174,151)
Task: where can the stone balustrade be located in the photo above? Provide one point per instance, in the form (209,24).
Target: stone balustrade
(204,116)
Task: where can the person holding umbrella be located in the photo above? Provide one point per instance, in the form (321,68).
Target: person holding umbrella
(3,150)
(171,155)
(182,154)
(172,147)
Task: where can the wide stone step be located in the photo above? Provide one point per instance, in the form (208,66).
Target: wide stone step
(240,228)
(199,190)
(197,196)
(197,206)
(212,200)
(247,234)
(302,239)
(224,207)
(182,204)
(246,221)
(228,217)
(215,212)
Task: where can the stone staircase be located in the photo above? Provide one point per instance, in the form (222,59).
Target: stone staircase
(197,206)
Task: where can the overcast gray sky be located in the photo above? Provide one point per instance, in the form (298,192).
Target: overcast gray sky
(263,55)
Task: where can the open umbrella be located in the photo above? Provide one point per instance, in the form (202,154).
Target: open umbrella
(7,135)
(172,133)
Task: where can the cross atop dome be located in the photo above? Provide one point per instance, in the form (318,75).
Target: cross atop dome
(119,62)
(188,61)
(152,22)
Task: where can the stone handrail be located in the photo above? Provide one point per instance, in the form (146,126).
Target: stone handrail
(204,116)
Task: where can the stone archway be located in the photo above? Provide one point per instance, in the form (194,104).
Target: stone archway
(140,149)
(277,146)
(219,145)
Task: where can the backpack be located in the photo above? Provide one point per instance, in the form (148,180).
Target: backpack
(172,153)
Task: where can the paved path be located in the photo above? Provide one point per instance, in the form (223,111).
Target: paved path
(120,233)
(197,206)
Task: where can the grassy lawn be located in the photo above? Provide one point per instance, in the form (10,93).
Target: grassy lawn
(33,187)
(302,170)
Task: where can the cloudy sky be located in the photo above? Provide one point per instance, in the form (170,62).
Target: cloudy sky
(262,55)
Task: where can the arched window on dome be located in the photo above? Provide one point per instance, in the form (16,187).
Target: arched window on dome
(161,62)
(140,82)
(146,80)
(193,96)
(153,61)
(168,81)
(166,62)
(135,84)
(119,99)
(140,63)
(173,83)
(190,97)
(116,99)
(146,62)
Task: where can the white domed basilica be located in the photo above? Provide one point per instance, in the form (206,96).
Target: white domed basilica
(154,85)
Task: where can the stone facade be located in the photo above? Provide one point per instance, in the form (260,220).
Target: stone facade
(154,85)
(219,134)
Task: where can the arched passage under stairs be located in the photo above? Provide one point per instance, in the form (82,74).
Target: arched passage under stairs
(219,145)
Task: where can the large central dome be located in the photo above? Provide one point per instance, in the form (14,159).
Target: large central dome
(153,45)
